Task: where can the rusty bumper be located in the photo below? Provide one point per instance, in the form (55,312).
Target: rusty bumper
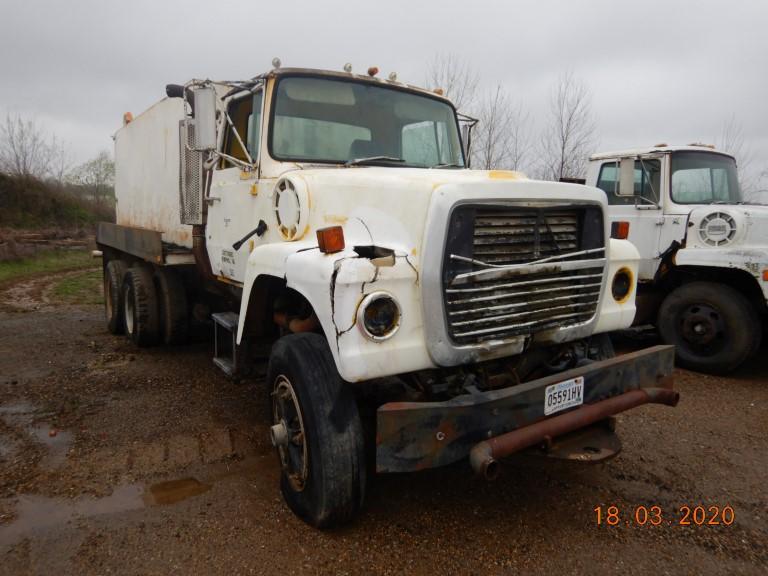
(417,435)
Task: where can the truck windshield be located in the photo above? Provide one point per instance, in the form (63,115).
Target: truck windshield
(340,121)
(704,178)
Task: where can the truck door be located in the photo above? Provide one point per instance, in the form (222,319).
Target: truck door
(232,205)
(642,210)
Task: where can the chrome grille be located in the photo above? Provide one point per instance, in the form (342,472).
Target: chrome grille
(512,236)
(510,272)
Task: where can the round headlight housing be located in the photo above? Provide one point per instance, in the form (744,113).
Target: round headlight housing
(621,288)
(378,316)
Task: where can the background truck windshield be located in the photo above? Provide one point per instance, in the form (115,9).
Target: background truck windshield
(703,178)
(322,120)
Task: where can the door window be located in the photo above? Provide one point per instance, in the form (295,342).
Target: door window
(246,118)
(647,182)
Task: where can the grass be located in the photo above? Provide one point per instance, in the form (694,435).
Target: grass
(83,288)
(46,263)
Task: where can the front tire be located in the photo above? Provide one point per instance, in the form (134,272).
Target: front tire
(713,327)
(317,432)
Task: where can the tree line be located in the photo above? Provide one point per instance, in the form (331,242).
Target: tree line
(28,152)
(505,136)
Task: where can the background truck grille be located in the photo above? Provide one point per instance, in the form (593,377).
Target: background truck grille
(494,285)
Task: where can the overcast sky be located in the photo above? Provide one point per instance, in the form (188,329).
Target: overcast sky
(658,71)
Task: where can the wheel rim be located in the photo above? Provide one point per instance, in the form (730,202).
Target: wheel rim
(288,433)
(702,329)
(128,306)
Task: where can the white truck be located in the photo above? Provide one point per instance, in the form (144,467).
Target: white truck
(703,278)
(413,312)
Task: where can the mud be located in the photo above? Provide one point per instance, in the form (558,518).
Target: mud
(126,461)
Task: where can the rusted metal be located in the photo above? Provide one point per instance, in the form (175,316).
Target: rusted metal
(202,262)
(593,444)
(417,435)
(484,455)
(139,242)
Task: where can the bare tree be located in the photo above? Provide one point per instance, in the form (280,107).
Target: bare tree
(455,77)
(97,177)
(24,149)
(501,137)
(569,136)
(60,160)
(752,179)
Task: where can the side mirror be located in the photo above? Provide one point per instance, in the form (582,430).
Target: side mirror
(626,177)
(204,106)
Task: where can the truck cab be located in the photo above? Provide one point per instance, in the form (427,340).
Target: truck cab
(702,274)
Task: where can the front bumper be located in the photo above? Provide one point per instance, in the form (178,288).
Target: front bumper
(418,435)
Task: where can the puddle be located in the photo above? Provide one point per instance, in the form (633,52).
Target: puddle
(34,513)
(174,491)
(22,415)
(57,444)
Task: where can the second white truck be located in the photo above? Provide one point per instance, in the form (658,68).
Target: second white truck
(703,274)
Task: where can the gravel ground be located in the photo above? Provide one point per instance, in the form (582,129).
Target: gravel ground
(114,460)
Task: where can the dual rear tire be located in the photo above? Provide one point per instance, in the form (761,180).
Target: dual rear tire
(147,306)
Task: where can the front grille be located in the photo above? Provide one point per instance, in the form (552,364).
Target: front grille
(511,271)
(512,236)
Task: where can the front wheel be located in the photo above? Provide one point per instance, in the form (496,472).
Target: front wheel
(317,432)
(713,327)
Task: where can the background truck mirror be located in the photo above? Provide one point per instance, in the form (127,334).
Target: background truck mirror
(626,177)
(205,118)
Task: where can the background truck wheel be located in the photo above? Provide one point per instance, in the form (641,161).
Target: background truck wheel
(317,432)
(113,295)
(172,306)
(140,307)
(713,327)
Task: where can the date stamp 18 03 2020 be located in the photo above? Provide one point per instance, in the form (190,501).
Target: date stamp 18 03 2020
(684,515)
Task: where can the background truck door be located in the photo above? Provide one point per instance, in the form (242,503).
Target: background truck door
(642,210)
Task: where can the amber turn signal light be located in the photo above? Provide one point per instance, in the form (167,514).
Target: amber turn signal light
(765,275)
(330,239)
(620,230)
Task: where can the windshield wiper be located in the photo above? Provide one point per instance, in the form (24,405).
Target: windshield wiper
(448,165)
(369,159)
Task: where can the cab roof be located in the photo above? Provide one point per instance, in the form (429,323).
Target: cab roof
(658,149)
(340,74)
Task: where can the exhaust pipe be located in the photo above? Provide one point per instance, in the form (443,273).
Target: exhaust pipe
(484,455)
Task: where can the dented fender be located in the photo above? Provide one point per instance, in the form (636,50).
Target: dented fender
(334,285)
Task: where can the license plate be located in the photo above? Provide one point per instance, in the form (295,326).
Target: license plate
(564,395)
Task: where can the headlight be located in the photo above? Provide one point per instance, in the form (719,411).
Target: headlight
(378,316)
(622,285)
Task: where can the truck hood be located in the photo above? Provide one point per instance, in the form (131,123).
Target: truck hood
(388,207)
(723,226)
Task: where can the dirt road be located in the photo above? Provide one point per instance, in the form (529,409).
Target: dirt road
(114,460)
